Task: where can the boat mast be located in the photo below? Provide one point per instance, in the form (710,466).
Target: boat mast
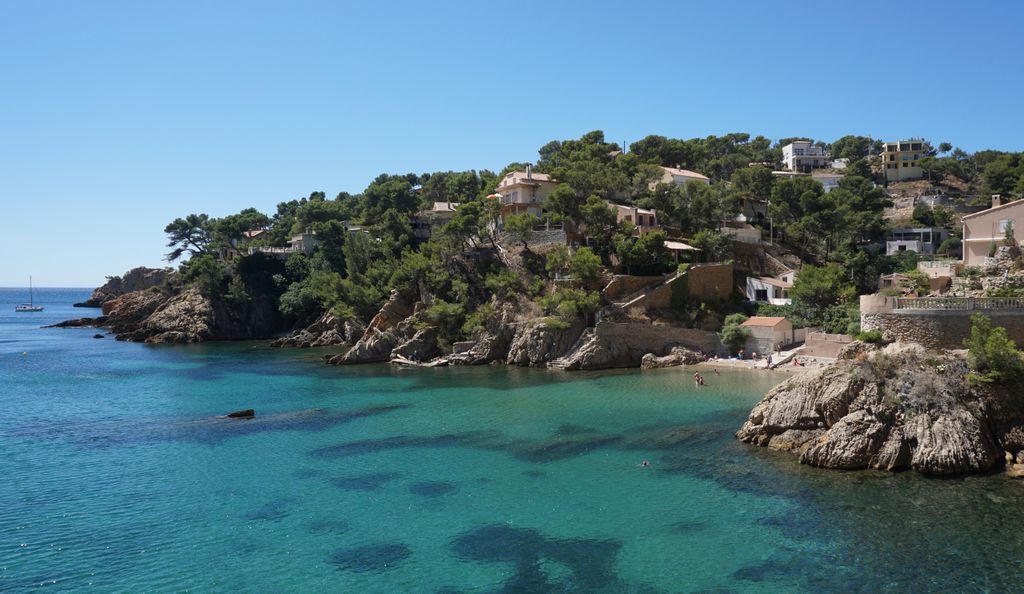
(30,302)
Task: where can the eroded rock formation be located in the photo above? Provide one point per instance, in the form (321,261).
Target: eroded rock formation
(900,407)
(136,279)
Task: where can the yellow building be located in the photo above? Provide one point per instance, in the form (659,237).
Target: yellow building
(900,160)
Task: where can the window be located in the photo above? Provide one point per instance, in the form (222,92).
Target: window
(761,295)
(1004,224)
(904,163)
(892,157)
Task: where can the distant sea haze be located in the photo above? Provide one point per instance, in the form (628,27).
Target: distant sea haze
(123,475)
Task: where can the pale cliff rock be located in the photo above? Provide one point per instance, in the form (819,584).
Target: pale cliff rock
(624,344)
(421,347)
(382,333)
(677,356)
(492,342)
(136,279)
(536,344)
(327,330)
(901,407)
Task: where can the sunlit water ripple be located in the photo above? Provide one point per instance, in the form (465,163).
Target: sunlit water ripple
(118,475)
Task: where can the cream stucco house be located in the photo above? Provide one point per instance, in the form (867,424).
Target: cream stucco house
(986,229)
(672,175)
(525,191)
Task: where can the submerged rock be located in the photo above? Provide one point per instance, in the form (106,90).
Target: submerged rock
(901,407)
(242,414)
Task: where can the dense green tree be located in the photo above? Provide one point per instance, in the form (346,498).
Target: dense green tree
(585,265)
(753,183)
(733,334)
(820,287)
(646,255)
(992,356)
(192,234)
(520,228)
(851,147)
(714,246)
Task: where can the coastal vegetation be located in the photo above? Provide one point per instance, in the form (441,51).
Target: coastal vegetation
(466,271)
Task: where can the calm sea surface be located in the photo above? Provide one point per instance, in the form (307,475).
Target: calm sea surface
(115,474)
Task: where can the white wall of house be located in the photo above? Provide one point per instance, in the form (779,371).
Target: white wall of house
(763,292)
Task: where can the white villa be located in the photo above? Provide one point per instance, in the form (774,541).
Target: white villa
(773,290)
(804,156)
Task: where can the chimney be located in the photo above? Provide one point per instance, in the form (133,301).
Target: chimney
(997,200)
(529,171)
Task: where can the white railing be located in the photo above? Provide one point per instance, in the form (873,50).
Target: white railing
(960,303)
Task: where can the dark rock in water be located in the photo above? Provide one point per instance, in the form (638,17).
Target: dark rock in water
(901,407)
(242,414)
(81,323)
(97,336)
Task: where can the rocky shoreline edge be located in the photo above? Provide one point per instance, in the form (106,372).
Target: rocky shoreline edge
(893,408)
(159,310)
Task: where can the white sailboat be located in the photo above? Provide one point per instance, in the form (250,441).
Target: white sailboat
(30,306)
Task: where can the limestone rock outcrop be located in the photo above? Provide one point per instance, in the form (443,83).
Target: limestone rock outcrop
(624,344)
(491,343)
(327,330)
(538,343)
(421,347)
(677,356)
(895,408)
(136,279)
(185,318)
(382,334)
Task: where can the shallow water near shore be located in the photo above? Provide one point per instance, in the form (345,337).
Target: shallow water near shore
(118,475)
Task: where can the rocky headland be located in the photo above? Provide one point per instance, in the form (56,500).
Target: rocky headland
(171,313)
(136,279)
(895,408)
(515,332)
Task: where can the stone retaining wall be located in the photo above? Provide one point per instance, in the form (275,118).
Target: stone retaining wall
(938,329)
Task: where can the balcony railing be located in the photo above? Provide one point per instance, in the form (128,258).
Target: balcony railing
(960,303)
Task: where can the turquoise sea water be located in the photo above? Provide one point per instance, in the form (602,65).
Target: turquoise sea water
(117,475)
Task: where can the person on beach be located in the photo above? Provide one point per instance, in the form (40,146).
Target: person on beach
(768,362)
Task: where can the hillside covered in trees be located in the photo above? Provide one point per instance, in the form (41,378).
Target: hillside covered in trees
(476,265)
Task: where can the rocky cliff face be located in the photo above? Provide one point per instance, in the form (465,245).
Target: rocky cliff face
(536,344)
(136,279)
(901,407)
(382,334)
(327,330)
(187,316)
(625,344)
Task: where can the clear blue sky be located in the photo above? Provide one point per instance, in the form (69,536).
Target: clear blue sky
(116,117)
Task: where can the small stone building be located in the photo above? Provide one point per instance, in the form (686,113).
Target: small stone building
(767,333)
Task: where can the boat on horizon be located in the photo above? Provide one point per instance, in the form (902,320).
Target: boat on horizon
(30,306)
